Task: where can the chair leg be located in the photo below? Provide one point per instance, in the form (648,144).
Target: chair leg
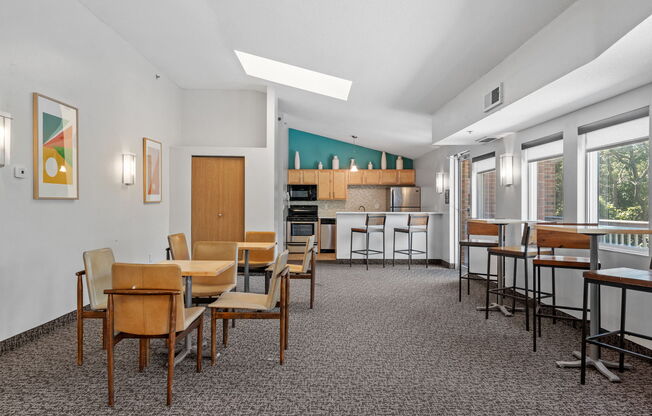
(200,341)
(287,308)
(426,249)
(554,298)
(383,249)
(584,307)
(459,297)
(468,270)
(527,294)
(80,337)
(535,296)
(267,277)
(312,287)
(623,310)
(394,250)
(367,252)
(225,331)
(539,301)
(486,311)
(351,251)
(514,285)
(109,364)
(410,251)
(213,336)
(142,354)
(171,342)
(104,333)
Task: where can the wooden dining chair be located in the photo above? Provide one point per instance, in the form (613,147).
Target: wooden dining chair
(144,303)
(204,288)
(305,270)
(259,259)
(97,270)
(178,247)
(246,305)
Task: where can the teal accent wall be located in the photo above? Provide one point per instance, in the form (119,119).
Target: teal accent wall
(313,148)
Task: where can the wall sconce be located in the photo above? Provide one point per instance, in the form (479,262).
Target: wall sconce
(128,168)
(5,138)
(440,180)
(506,169)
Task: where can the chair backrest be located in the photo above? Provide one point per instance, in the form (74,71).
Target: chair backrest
(260,237)
(481,228)
(274,293)
(178,246)
(526,236)
(418,220)
(146,314)
(98,265)
(375,220)
(308,253)
(559,239)
(218,250)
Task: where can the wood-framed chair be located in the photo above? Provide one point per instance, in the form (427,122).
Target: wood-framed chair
(552,240)
(97,270)
(489,234)
(305,270)
(258,259)
(246,305)
(146,302)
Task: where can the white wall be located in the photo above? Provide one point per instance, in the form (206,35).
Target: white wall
(509,203)
(61,50)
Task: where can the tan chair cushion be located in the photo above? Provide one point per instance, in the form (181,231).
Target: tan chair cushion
(207,286)
(208,290)
(178,247)
(240,300)
(190,314)
(256,264)
(296,268)
(97,264)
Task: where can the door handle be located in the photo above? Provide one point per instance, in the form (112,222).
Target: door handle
(219,214)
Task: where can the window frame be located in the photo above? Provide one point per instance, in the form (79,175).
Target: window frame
(479,166)
(529,192)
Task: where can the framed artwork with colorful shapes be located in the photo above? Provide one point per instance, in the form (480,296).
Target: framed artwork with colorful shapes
(56,167)
(152,170)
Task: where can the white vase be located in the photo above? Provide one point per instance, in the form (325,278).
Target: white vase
(383,161)
(297,161)
(320,165)
(370,166)
(399,163)
(336,162)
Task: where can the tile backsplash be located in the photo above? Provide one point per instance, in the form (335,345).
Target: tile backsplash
(372,198)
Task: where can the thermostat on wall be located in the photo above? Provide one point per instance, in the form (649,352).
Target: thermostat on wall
(19,172)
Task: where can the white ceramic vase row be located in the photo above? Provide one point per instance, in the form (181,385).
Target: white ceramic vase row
(336,162)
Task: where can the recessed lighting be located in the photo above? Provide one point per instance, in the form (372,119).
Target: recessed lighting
(294,76)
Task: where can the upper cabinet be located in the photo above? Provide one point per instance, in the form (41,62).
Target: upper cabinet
(333,184)
(302,177)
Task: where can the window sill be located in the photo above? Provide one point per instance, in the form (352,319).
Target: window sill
(616,249)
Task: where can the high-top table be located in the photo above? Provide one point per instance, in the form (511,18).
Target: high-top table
(502,224)
(246,247)
(189,269)
(593,357)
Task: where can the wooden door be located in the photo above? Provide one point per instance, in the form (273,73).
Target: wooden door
(339,184)
(217,198)
(294,177)
(324,184)
(309,177)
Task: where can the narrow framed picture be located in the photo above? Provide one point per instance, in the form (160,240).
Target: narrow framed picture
(152,170)
(56,167)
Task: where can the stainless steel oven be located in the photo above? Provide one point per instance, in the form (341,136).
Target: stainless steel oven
(302,222)
(300,231)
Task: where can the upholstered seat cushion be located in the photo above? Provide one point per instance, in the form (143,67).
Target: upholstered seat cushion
(256,264)
(240,300)
(479,242)
(190,314)
(202,290)
(518,251)
(294,268)
(562,261)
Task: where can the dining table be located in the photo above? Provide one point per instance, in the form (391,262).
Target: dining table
(248,246)
(594,232)
(190,269)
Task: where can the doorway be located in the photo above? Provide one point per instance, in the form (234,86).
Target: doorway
(217,198)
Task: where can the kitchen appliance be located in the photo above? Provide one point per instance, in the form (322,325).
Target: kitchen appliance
(327,235)
(302,192)
(302,222)
(404,199)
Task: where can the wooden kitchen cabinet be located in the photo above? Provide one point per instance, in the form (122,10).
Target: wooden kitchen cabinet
(332,184)
(371,177)
(406,177)
(302,177)
(324,184)
(340,184)
(295,177)
(355,178)
(309,176)
(389,177)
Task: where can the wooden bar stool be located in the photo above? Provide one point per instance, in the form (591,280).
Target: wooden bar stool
(417,223)
(625,279)
(527,250)
(373,224)
(475,228)
(556,240)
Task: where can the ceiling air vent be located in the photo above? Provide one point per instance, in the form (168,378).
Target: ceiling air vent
(494,98)
(487,140)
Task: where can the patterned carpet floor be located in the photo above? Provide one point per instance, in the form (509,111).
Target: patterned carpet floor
(379,342)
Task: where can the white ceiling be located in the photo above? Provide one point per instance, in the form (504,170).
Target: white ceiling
(405,58)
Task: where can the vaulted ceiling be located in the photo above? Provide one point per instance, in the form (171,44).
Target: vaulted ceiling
(405,58)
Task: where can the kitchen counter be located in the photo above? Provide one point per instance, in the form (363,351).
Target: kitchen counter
(348,220)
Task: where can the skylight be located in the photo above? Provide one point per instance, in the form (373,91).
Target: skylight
(294,76)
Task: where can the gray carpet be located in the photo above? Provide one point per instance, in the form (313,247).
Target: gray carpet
(383,342)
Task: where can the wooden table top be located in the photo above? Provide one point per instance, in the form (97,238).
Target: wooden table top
(252,246)
(623,276)
(501,221)
(201,267)
(595,229)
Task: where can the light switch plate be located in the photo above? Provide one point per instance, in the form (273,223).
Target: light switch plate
(20,172)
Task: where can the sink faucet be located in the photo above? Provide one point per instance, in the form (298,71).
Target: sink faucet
(362,208)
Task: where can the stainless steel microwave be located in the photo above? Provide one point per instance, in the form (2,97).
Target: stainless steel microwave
(302,192)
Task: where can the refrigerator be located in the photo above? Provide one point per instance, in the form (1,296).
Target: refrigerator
(404,199)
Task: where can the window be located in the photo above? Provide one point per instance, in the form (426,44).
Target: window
(545,178)
(484,186)
(617,181)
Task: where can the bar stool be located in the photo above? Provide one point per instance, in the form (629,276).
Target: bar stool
(556,240)
(625,279)
(373,224)
(477,229)
(417,223)
(524,252)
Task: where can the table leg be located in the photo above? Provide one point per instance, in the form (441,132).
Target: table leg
(593,355)
(246,270)
(187,349)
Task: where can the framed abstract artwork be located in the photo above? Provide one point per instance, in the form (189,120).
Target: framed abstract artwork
(152,170)
(56,169)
